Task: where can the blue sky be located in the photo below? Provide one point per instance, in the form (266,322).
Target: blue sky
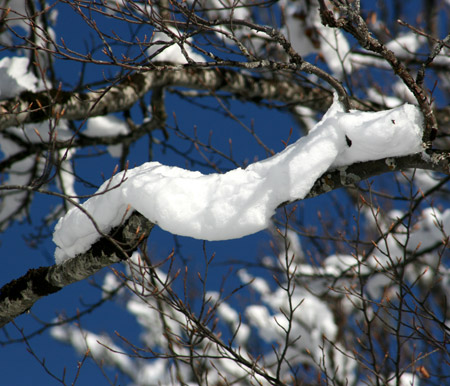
(18,367)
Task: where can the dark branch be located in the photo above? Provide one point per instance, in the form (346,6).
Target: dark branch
(31,107)
(353,174)
(18,296)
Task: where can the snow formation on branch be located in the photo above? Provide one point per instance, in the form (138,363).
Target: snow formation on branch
(242,201)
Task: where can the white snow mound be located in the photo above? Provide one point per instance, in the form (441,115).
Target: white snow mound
(242,201)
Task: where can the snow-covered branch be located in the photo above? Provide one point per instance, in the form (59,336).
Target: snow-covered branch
(225,206)
(242,201)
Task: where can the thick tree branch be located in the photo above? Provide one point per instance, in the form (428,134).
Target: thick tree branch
(353,174)
(31,107)
(19,295)
(35,107)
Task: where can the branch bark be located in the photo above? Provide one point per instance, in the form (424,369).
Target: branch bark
(35,107)
(19,295)
(31,107)
(353,174)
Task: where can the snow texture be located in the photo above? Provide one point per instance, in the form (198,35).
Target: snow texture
(101,348)
(405,379)
(242,201)
(166,48)
(107,126)
(15,77)
(312,320)
(307,34)
(431,229)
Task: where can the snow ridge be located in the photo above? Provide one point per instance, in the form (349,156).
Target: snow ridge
(242,201)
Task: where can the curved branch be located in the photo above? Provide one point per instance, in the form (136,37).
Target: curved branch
(35,107)
(18,296)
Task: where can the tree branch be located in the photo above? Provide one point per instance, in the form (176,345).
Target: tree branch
(19,295)
(351,175)
(33,107)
